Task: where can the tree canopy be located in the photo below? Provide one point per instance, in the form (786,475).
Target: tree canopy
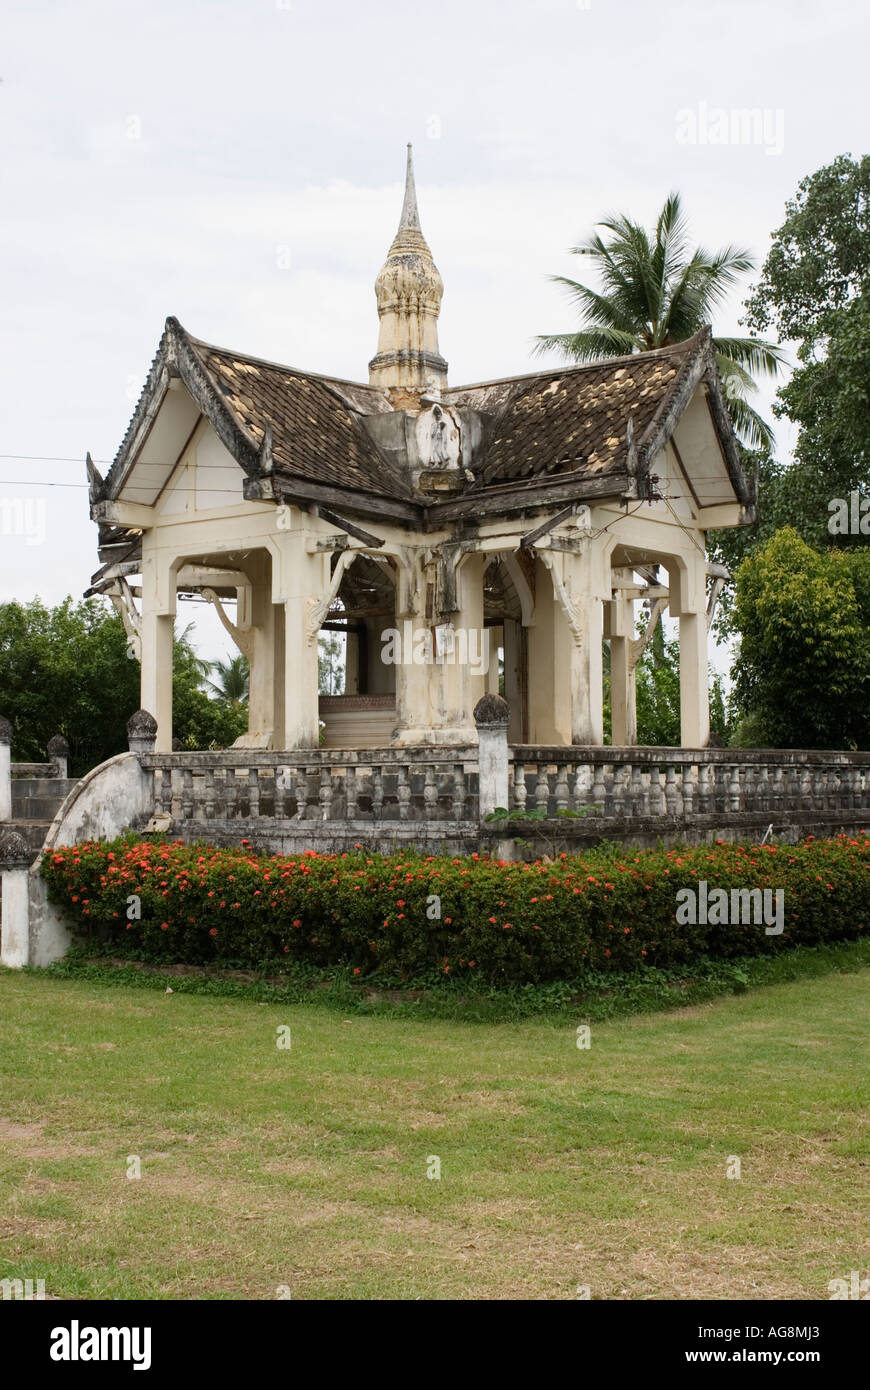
(67,670)
(803,665)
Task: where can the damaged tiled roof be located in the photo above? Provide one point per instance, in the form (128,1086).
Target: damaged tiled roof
(574,419)
(315,432)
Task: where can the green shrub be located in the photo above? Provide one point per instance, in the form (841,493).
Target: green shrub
(407,917)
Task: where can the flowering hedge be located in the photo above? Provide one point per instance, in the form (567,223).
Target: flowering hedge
(408,916)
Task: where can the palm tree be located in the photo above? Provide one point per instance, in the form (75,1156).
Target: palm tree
(231,686)
(658,292)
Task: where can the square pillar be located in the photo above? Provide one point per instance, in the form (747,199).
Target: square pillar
(549,665)
(159,570)
(688,602)
(623,693)
(694,692)
(158,631)
(516,680)
(301,582)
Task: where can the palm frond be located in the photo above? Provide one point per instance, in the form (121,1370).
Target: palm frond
(755,432)
(588,345)
(754,354)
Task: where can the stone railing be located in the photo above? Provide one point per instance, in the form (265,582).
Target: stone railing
(624,784)
(319,795)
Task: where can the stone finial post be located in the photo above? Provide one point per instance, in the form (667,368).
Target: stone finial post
(141,732)
(5,769)
(491,715)
(15,860)
(58,754)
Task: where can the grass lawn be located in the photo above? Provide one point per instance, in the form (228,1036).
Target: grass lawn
(307,1168)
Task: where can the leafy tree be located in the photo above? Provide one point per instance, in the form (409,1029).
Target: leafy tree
(67,670)
(660,291)
(802,672)
(815,292)
(819,262)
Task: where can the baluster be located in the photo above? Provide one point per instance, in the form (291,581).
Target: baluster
(377,791)
(562,787)
(645,778)
(636,790)
(325,796)
(176,779)
(657,802)
(519,788)
(403,792)
(231,793)
(351,793)
(166,790)
(599,788)
(833,789)
(806,788)
(291,796)
(208,793)
(734,799)
(253,792)
(542,787)
(762,787)
(187,793)
(620,792)
(673,792)
(705,789)
(430,793)
(459,794)
(690,779)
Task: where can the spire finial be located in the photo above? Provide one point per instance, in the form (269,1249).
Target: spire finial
(408,291)
(410,216)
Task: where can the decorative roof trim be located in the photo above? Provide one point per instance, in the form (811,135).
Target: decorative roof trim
(177,356)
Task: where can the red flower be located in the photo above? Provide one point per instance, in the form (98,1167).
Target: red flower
(212,931)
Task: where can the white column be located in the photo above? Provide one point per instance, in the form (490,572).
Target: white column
(623,694)
(688,603)
(156,688)
(157,632)
(14,900)
(302,580)
(587,674)
(694,692)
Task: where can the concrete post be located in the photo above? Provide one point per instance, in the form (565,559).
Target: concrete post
(157,638)
(141,732)
(5,770)
(58,754)
(14,897)
(491,715)
(623,695)
(694,696)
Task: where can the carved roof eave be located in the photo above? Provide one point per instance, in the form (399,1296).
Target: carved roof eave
(176,356)
(278,486)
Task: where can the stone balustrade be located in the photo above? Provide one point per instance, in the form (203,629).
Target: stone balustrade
(625,784)
(429,786)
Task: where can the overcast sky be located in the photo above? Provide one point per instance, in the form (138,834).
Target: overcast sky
(171,157)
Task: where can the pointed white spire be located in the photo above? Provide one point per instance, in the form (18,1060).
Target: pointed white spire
(408,291)
(410,216)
